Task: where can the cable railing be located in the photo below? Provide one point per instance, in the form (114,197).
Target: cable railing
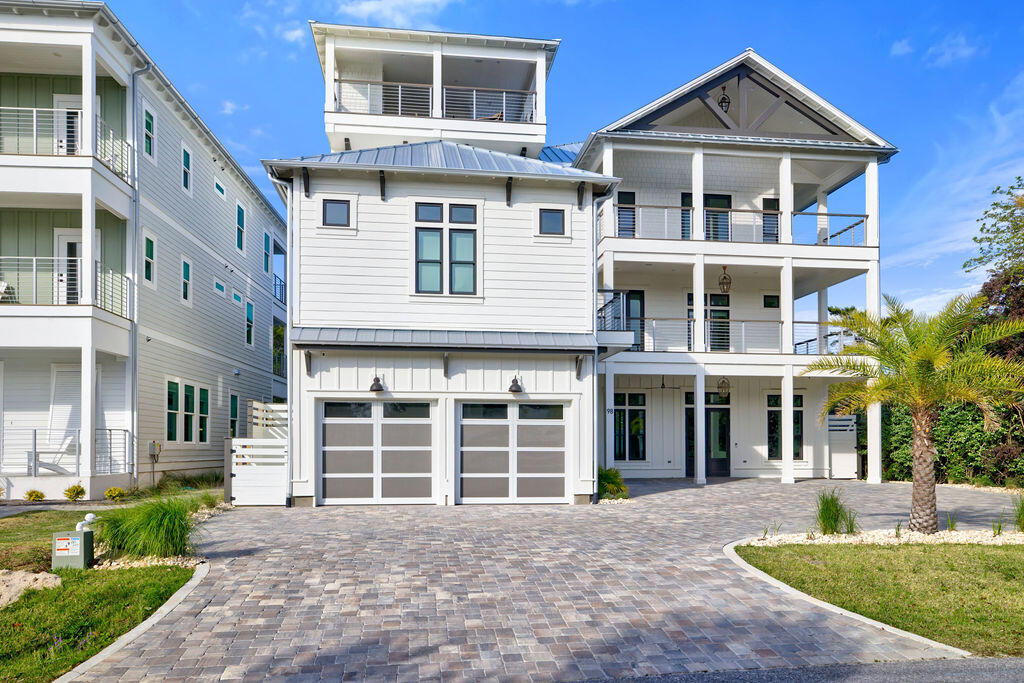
(57,281)
(280,363)
(113,291)
(677,334)
(821,338)
(280,290)
(25,450)
(31,130)
(379,97)
(113,150)
(487,104)
(743,336)
(113,452)
(653,222)
(834,229)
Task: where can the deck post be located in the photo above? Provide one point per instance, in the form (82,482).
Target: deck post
(788,475)
(699,436)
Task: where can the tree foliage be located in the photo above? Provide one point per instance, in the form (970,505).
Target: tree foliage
(1000,237)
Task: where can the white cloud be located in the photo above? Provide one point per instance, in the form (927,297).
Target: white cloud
(229,107)
(900,48)
(398,13)
(931,300)
(953,48)
(292,35)
(937,216)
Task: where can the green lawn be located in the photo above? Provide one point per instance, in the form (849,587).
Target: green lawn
(25,538)
(968,596)
(48,632)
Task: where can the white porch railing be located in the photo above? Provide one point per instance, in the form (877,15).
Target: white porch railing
(259,471)
(113,291)
(31,130)
(41,452)
(48,280)
(388,98)
(113,150)
(114,452)
(487,104)
(743,336)
(820,338)
(834,229)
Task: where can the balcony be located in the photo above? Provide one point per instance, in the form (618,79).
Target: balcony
(416,99)
(485,104)
(280,290)
(648,221)
(389,99)
(280,363)
(39,452)
(57,281)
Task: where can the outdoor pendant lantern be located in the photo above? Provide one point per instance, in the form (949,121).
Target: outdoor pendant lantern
(723,387)
(724,101)
(376,385)
(515,387)
(724,281)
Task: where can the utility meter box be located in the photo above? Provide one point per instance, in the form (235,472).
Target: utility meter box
(72,550)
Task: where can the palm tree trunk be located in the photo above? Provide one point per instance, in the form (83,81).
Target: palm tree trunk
(924,516)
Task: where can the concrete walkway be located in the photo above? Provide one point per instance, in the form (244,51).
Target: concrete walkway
(530,592)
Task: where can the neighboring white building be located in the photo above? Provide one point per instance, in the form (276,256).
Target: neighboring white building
(137,278)
(447,341)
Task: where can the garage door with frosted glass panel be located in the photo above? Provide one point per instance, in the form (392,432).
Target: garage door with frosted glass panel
(376,452)
(512,453)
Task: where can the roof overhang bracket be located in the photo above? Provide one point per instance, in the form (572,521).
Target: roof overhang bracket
(508,191)
(382,186)
(579,368)
(305,181)
(444,365)
(308,355)
(581,190)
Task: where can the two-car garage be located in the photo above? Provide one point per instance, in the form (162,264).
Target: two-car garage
(383,452)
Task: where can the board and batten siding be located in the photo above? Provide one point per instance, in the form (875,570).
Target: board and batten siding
(37,91)
(364,276)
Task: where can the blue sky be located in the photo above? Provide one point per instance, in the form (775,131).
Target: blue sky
(944,82)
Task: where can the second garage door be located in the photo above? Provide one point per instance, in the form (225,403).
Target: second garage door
(512,453)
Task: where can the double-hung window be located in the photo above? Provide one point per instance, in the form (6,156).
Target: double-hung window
(204,416)
(186,170)
(249,322)
(173,407)
(239,228)
(775,427)
(186,282)
(149,133)
(149,260)
(233,416)
(188,413)
(266,252)
(446,252)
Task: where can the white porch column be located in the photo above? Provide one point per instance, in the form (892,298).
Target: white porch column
(822,200)
(87,134)
(786,302)
(609,415)
(610,224)
(697,190)
(87,421)
(700,436)
(330,74)
(87,271)
(786,198)
(874,415)
(822,317)
(871,203)
(540,83)
(786,427)
(698,304)
(437,99)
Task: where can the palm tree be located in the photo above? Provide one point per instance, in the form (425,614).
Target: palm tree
(923,362)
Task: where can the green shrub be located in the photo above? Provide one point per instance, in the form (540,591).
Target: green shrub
(610,484)
(173,483)
(161,527)
(1018,512)
(115,493)
(74,492)
(207,499)
(833,516)
(34,496)
(1013,483)
(983,480)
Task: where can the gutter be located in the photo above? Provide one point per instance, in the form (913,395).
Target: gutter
(285,188)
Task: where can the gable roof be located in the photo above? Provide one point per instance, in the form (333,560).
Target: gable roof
(775,75)
(561,154)
(441,156)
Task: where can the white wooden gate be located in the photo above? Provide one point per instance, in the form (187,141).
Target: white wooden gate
(259,471)
(842,446)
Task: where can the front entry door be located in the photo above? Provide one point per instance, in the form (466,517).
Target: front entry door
(67,265)
(716,442)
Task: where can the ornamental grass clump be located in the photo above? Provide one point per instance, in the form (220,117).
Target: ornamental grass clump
(610,484)
(834,517)
(1018,512)
(160,527)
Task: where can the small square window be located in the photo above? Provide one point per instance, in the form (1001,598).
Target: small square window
(337,213)
(429,213)
(637,399)
(552,222)
(462,213)
(771,301)
(620,399)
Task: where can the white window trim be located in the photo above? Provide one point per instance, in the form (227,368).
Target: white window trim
(445,226)
(567,211)
(808,447)
(238,298)
(251,343)
(245,228)
(268,254)
(238,418)
(191,169)
(156,255)
(146,106)
(351,228)
(178,413)
(217,181)
(223,291)
(180,419)
(191,281)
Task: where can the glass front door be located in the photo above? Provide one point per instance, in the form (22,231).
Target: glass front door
(717,440)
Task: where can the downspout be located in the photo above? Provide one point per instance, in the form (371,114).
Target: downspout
(133,324)
(595,200)
(286,188)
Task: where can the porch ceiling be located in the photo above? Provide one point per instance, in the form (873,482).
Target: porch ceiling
(809,280)
(39,200)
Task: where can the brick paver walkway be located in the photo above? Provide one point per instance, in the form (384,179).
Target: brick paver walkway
(529,592)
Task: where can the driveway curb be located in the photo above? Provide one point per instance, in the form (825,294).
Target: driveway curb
(730,552)
(126,639)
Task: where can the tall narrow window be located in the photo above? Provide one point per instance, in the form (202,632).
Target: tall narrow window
(204,415)
(233,417)
(462,254)
(249,321)
(186,281)
(630,420)
(428,260)
(266,252)
(775,427)
(149,134)
(188,413)
(172,411)
(186,170)
(625,214)
(149,261)
(239,228)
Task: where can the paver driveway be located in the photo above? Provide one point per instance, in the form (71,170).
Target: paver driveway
(536,592)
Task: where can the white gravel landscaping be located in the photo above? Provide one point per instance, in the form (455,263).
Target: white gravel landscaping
(889,537)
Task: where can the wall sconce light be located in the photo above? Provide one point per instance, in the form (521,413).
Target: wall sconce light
(376,385)
(515,387)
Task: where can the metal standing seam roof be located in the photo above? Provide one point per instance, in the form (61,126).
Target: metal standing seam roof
(441,155)
(469,339)
(561,154)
